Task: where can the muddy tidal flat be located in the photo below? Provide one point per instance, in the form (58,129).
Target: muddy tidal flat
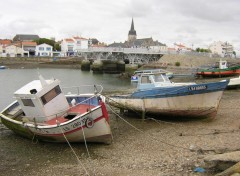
(163,147)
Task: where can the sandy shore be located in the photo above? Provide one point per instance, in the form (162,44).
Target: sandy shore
(163,148)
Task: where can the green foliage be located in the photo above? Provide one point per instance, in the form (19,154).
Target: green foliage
(234,53)
(202,50)
(177,64)
(55,45)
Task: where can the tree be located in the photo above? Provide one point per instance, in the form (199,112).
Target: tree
(55,45)
(234,53)
(202,50)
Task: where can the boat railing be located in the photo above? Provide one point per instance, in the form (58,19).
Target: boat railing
(96,89)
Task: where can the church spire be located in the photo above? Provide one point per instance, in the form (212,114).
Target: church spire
(132,26)
(132,35)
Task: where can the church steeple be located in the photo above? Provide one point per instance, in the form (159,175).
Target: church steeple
(132,35)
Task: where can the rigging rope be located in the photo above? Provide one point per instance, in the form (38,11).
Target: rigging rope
(79,161)
(172,145)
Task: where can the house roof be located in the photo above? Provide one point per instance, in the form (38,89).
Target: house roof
(69,40)
(29,44)
(25,37)
(180,45)
(171,49)
(5,42)
(44,44)
(79,38)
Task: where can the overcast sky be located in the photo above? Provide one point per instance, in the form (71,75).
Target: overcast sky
(191,22)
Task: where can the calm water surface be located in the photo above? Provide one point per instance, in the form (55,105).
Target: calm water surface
(13,79)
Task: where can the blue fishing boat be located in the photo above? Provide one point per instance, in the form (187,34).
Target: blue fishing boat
(157,94)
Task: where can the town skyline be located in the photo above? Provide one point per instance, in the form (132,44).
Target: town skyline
(166,21)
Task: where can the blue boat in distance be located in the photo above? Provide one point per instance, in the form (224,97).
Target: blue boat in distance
(2,67)
(156,94)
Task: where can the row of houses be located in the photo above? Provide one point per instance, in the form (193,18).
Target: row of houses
(25,46)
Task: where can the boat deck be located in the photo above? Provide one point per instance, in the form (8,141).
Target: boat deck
(72,112)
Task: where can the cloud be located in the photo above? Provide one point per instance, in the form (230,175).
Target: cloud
(168,21)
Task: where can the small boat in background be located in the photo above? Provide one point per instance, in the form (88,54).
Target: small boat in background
(43,112)
(2,67)
(156,94)
(134,77)
(221,70)
(234,83)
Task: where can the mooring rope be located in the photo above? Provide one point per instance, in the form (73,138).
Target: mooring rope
(85,142)
(79,161)
(152,137)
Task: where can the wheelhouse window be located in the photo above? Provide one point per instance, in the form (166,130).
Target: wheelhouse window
(145,80)
(50,95)
(28,102)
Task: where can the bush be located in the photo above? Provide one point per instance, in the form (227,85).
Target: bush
(177,64)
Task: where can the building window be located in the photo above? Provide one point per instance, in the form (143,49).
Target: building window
(79,42)
(44,54)
(48,49)
(41,48)
(70,48)
(28,102)
(50,95)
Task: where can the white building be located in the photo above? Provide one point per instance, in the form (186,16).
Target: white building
(181,47)
(13,51)
(44,50)
(70,46)
(223,49)
(1,51)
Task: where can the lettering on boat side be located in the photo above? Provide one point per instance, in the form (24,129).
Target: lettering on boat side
(193,88)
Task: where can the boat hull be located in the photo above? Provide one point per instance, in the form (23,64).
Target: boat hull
(190,105)
(219,72)
(182,102)
(79,129)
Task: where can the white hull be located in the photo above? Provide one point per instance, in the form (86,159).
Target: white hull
(188,105)
(234,82)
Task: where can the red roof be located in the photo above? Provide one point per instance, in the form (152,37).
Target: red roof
(80,38)
(29,43)
(5,42)
(69,40)
(171,49)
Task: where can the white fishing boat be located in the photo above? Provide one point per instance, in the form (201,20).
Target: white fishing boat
(2,67)
(135,76)
(160,96)
(42,111)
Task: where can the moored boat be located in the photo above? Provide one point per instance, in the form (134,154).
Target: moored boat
(221,70)
(172,99)
(135,76)
(2,67)
(234,83)
(42,111)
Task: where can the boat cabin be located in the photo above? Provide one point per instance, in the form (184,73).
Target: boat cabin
(150,80)
(222,64)
(42,100)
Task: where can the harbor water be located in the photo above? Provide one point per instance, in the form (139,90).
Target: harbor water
(13,79)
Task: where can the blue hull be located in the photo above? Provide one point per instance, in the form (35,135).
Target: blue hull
(163,92)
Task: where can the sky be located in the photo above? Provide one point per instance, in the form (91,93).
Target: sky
(190,22)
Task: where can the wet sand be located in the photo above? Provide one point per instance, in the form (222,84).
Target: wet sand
(163,148)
